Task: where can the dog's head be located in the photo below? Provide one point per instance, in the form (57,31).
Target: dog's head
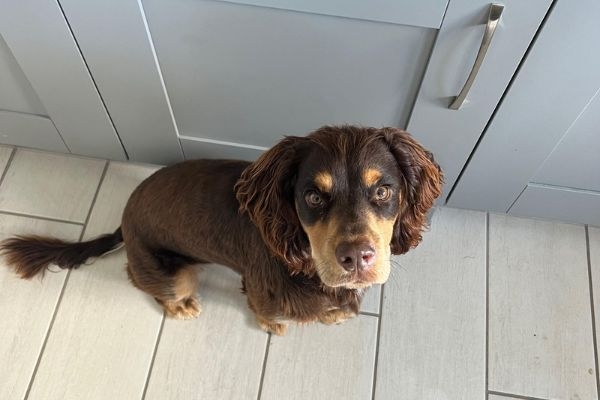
(340,201)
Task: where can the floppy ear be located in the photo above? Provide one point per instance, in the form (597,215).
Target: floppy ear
(265,191)
(423,182)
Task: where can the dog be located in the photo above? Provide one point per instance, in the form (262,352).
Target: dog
(309,226)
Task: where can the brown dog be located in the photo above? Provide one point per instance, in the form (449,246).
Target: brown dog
(309,226)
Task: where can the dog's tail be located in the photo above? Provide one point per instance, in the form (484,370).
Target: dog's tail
(31,255)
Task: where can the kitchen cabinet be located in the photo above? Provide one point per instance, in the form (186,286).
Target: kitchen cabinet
(226,79)
(210,78)
(230,78)
(48,99)
(452,134)
(539,156)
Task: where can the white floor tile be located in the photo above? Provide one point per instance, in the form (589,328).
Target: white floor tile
(321,362)
(50,185)
(372,300)
(120,180)
(432,339)
(594,241)
(26,307)
(540,334)
(5,153)
(105,330)
(217,356)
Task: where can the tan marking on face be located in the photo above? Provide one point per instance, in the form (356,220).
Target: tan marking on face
(384,229)
(320,236)
(371,176)
(324,238)
(324,181)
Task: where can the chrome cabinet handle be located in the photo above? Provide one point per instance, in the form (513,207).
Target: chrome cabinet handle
(490,28)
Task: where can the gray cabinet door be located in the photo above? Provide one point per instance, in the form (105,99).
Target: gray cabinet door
(230,78)
(24,120)
(48,100)
(452,134)
(540,154)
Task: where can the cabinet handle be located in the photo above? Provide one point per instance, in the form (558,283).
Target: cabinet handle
(490,28)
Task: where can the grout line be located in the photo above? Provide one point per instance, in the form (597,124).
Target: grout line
(487,303)
(264,366)
(373,388)
(87,219)
(151,366)
(514,396)
(17,214)
(52,320)
(593,311)
(8,163)
(62,290)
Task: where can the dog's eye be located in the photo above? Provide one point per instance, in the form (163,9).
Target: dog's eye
(314,199)
(383,193)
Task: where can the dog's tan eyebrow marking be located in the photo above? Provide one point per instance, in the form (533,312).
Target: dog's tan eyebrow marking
(371,176)
(324,181)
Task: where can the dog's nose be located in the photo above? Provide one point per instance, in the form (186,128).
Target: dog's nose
(352,255)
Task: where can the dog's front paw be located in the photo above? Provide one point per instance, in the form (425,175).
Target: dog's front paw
(188,308)
(336,316)
(272,327)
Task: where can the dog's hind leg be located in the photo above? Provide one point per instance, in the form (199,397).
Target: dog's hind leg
(266,325)
(264,313)
(169,278)
(184,304)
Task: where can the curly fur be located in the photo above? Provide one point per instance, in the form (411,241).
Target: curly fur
(264,190)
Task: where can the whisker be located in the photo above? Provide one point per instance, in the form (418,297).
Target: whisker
(396,263)
(395,276)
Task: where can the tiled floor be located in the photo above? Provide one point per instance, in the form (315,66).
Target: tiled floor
(488,306)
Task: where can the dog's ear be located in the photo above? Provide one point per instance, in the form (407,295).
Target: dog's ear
(423,182)
(265,191)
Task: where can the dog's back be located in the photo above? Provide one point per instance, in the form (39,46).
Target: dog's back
(190,209)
